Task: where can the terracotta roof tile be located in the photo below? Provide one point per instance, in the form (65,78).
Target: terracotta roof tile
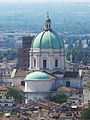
(50,75)
(3,88)
(22,73)
(63,115)
(20,87)
(66,89)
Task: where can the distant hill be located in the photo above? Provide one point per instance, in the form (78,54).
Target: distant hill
(73,18)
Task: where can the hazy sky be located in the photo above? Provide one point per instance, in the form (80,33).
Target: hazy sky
(43,0)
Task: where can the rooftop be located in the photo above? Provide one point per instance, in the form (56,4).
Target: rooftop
(66,89)
(71,74)
(3,88)
(37,76)
(24,73)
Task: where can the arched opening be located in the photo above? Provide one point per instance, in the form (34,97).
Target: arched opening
(67,84)
(23,83)
(47,26)
(44,63)
(56,63)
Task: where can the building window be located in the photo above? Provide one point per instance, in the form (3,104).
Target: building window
(8,72)
(56,63)
(23,83)
(44,63)
(67,84)
(4,72)
(6,104)
(34,62)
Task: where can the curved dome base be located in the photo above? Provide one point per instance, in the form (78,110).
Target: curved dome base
(48,39)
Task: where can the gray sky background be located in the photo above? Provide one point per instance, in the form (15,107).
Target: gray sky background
(44,0)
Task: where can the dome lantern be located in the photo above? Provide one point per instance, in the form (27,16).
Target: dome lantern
(47,23)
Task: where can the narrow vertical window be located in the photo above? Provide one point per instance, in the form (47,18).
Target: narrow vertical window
(44,63)
(34,62)
(56,63)
(47,26)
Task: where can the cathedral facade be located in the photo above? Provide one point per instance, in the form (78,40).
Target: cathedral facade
(49,67)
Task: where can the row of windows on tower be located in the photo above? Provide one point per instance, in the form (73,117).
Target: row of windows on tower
(45,63)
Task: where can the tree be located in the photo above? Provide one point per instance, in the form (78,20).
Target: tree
(60,98)
(79,55)
(9,54)
(86,114)
(12,92)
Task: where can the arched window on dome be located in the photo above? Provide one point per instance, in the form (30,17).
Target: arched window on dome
(34,63)
(44,63)
(56,63)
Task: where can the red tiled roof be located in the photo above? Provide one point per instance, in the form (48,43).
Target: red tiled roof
(20,87)
(35,111)
(63,115)
(50,75)
(3,88)
(66,89)
(22,73)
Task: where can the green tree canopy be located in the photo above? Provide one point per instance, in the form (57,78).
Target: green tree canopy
(9,54)
(79,55)
(12,92)
(86,114)
(59,98)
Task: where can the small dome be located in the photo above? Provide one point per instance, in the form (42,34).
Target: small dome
(37,76)
(48,20)
(48,40)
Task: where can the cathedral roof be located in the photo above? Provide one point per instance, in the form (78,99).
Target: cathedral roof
(48,39)
(37,76)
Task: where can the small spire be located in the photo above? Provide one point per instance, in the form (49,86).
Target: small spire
(48,15)
(47,23)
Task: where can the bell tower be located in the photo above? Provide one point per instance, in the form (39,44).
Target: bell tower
(47,23)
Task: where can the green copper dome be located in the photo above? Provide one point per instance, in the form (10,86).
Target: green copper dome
(48,39)
(37,76)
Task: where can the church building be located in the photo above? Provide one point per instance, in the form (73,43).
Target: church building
(49,68)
